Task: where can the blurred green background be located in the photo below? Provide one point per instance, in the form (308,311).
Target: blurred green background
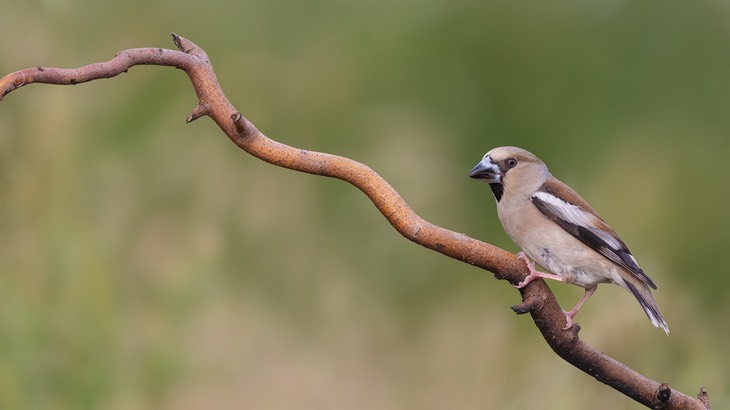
(150,264)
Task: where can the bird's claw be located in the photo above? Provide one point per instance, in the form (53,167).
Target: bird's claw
(569,319)
(523,257)
(525,282)
(531,266)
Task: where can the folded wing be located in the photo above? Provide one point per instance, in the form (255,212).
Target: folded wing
(585,225)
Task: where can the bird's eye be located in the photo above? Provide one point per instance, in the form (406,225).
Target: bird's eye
(511,162)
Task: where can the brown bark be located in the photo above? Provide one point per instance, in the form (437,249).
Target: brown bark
(538,300)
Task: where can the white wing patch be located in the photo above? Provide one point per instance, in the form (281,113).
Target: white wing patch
(577,216)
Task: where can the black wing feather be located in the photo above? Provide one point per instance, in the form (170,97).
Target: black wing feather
(617,252)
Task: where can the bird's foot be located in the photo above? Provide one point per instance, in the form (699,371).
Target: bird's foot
(534,273)
(569,319)
(571,314)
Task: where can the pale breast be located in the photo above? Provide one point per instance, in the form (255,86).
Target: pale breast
(555,249)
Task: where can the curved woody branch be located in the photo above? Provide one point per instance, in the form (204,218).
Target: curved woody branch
(538,300)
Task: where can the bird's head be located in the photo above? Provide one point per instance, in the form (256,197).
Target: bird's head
(511,168)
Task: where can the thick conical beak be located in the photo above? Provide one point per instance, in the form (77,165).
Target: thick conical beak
(487,171)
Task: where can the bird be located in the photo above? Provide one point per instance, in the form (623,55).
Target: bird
(560,231)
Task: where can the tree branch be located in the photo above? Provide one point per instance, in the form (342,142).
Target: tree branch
(538,300)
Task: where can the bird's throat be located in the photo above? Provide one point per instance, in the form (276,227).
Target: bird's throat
(497,190)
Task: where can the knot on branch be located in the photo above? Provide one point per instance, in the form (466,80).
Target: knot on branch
(12,82)
(181,43)
(199,111)
(188,47)
(703,397)
(530,302)
(244,128)
(663,394)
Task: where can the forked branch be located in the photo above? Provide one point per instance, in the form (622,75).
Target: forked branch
(538,300)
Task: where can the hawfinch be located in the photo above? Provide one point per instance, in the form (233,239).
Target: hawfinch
(557,228)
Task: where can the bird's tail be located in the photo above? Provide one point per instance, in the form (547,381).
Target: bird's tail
(645,298)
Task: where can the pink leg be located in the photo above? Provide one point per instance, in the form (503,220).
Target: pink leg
(534,273)
(570,315)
